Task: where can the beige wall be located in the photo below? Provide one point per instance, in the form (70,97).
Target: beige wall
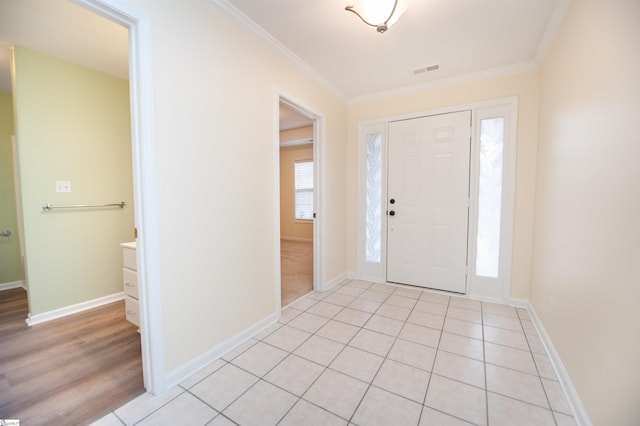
(290,227)
(297,133)
(72,124)
(525,86)
(10,264)
(586,252)
(217,176)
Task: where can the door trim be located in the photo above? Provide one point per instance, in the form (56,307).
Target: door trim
(496,290)
(319,130)
(144,180)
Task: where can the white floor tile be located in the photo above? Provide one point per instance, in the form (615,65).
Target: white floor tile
(463,328)
(429,296)
(263,404)
(556,396)
(395,312)
(338,331)
(303,304)
(517,385)
(287,338)
(222,387)
(267,331)
(353,317)
(407,292)
(462,345)
(460,302)
(457,399)
(337,393)
(319,349)
(108,420)
(426,319)
(221,420)
(504,337)
(413,354)
(505,356)
(339,299)
(431,307)
(382,288)
(384,325)
(500,321)
(305,413)
(403,302)
(431,417)
(419,334)
(383,408)
(503,410)
(134,411)
(499,309)
(404,380)
(357,363)
(365,305)
(239,349)
(288,314)
(295,374)
(564,420)
(308,322)
(464,314)
(372,341)
(327,310)
(259,359)
(185,409)
(350,291)
(545,368)
(460,368)
(375,296)
(202,373)
(359,284)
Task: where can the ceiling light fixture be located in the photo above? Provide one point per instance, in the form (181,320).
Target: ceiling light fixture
(383,12)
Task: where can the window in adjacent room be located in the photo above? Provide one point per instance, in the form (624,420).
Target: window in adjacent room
(303,172)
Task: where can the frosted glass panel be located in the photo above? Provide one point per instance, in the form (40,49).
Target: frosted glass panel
(490,197)
(373,198)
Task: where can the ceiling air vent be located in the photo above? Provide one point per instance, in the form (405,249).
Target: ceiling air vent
(425,69)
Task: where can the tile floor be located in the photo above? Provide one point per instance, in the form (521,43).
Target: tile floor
(372,354)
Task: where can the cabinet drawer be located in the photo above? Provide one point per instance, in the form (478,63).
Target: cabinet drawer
(129,259)
(130,280)
(132,309)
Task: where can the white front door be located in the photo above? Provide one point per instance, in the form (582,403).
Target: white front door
(428,201)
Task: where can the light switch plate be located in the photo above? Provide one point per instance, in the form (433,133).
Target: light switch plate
(63,186)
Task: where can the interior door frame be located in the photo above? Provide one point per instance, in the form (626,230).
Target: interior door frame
(496,289)
(138,24)
(318,174)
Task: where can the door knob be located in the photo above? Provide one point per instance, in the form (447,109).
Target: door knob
(392,213)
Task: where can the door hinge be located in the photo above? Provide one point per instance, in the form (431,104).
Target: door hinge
(135,233)
(314,215)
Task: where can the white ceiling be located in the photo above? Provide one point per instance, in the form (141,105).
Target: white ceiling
(464,37)
(62,29)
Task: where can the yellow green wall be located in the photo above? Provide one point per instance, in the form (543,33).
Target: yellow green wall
(586,252)
(11,270)
(72,124)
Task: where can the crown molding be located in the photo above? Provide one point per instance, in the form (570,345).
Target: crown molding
(551,31)
(518,68)
(267,39)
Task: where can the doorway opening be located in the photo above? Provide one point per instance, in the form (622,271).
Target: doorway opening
(299,200)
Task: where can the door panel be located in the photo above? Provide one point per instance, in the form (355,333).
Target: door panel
(428,181)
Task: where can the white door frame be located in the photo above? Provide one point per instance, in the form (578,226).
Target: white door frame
(318,175)
(144,181)
(493,289)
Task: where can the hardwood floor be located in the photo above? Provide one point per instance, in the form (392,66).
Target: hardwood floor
(69,371)
(296,269)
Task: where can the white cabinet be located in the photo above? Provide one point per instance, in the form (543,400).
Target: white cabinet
(130,281)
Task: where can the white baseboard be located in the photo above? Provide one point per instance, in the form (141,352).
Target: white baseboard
(73,309)
(304,240)
(183,372)
(335,281)
(12,284)
(579,412)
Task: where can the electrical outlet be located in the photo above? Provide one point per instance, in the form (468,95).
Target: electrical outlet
(63,186)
